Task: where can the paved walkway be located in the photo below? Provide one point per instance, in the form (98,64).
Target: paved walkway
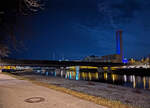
(14,92)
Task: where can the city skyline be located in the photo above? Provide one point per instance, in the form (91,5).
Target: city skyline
(74,53)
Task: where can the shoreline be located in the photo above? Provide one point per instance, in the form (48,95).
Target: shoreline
(132,97)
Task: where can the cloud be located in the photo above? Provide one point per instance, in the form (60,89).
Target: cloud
(119,12)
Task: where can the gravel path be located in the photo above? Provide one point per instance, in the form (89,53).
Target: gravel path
(16,93)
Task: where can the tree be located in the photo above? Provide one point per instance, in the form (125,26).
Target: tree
(9,11)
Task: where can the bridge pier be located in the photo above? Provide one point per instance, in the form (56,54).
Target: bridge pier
(42,72)
(60,71)
(46,73)
(109,69)
(100,69)
(77,72)
(63,71)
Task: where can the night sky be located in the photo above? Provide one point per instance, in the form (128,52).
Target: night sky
(73,29)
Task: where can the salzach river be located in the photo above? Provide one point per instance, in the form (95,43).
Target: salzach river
(132,81)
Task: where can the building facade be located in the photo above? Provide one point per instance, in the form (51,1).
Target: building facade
(114,58)
(92,59)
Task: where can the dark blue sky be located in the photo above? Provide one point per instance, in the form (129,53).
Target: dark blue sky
(78,28)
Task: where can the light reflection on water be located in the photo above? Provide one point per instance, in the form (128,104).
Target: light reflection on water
(124,80)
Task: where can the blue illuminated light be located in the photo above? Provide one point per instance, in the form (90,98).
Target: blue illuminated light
(55,74)
(118,44)
(69,75)
(125,60)
(77,72)
(46,73)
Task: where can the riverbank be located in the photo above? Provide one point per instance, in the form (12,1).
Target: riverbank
(130,97)
(16,93)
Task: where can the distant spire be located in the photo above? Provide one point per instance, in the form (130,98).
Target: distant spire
(63,57)
(53,56)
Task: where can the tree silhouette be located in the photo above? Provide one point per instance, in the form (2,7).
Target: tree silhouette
(9,11)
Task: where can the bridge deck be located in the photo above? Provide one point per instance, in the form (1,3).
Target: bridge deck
(56,63)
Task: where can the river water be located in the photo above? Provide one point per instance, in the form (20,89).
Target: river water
(131,81)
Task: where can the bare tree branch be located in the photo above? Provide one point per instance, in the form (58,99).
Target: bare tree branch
(9,11)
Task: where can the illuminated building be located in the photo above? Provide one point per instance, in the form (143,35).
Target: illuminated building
(92,58)
(114,58)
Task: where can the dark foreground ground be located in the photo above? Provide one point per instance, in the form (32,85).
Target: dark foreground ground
(135,97)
